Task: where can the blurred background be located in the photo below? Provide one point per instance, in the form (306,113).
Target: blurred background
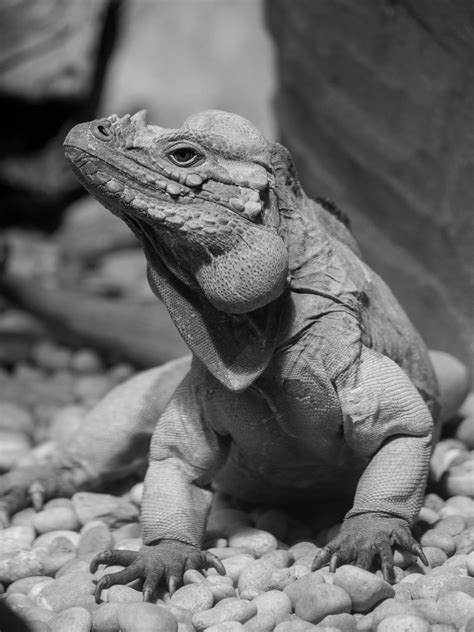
(374,100)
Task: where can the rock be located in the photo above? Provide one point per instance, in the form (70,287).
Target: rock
(282,578)
(440,540)
(86,361)
(131,530)
(223,591)
(112,510)
(75,565)
(239,610)
(46,539)
(226,626)
(89,389)
(22,564)
(95,536)
(278,559)
(301,549)
(364,588)
(195,597)
(13,446)
(26,584)
(323,599)
(235,564)
(16,418)
(21,535)
(24,517)
(56,518)
(50,356)
(465,541)
(259,541)
(344,622)
(304,585)
(452,525)
(260,623)
(136,494)
(295,624)
(461,584)
(460,478)
(428,586)
(458,606)
(255,576)
(273,603)
(436,557)
(122,594)
(72,619)
(403,623)
(73,589)
(388,608)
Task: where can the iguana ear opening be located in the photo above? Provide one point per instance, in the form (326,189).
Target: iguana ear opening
(235,349)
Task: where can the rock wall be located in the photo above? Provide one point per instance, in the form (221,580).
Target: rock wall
(376,103)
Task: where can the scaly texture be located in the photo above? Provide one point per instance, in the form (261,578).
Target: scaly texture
(308,382)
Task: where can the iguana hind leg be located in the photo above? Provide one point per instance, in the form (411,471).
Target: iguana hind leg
(112,443)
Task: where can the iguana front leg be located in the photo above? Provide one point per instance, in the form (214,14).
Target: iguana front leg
(184,455)
(386,420)
(112,443)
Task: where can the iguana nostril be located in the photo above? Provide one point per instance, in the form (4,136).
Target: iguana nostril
(102,130)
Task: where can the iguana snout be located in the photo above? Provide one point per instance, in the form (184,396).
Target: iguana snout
(201,193)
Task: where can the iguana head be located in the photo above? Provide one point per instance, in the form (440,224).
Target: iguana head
(202,200)
(199,194)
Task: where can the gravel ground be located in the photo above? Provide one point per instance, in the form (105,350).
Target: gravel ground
(267,554)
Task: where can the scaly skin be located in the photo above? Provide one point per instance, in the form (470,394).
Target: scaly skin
(308,382)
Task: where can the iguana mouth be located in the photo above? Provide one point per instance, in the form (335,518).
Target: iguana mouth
(218,215)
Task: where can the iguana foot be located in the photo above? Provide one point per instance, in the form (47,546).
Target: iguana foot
(33,485)
(364,537)
(167,560)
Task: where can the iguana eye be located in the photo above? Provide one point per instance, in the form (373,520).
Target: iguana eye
(185,156)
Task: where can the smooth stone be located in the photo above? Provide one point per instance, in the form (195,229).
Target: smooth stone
(239,610)
(226,626)
(260,623)
(304,585)
(195,597)
(16,418)
(295,624)
(22,535)
(122,594)
(440,540)
(47,539)
(428,586)
(283,577)
(364,588)
(457,606)
(343,621)
(301,549)
(255,576)
(388,608)
(22,564)
(275,603)
(55,519)
(435,556)
(322,600)
(73,619)
(462,584)
(404,623)
(235,564)
(452,525)
(95,536)
(112,510)
(26,584)
(73,589)
(259,541)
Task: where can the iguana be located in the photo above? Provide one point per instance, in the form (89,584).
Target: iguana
(307,381)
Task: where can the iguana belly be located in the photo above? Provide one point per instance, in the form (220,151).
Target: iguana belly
(286,436)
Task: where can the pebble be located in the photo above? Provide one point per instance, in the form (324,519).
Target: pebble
(122,594)
(86,361)
(256,539)
(404,623)
(46,539)
(22,564)
(255,576)
(322,600)
(13,446)
(73,619)
(112,510)
(274,603)
(260,623)
(435,556)
(66,422)
(195,597)
(240,610)
(144,617)
(95,536)
(452,525)
(344,622)
(364,588)
(457,606)
(73,589)
(440,540)
(26,584)
(304,585)
(235,564)
(295,624)
(460,478)
(56,518)
(14,417)
(428,586)
(226,626)
(136,494)
(282,578)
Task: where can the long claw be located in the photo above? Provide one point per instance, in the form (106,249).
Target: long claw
(151,584)
(172,585)
(334,562)
(112,557)
(214,562)
(36,492)
(101,585)
(417,550)
(321,559)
